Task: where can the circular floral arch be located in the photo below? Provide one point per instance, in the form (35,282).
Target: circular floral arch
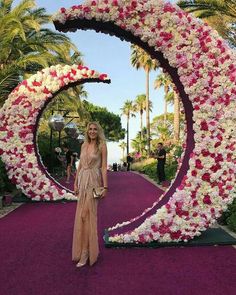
(18,128)
(204,70)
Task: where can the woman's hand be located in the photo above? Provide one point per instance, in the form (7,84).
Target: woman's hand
(76,189)
(104,193)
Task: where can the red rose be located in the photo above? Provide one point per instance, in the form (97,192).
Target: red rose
(205,153)
(204,126)
(29,148)
(195,203)
(215,168)
(46,91)
(175,235)
(207,200)
(134,4)
(142,239)
(168,8)
(35,83)
(115,3)
(154,228)
(198,164)
(25,178)
(206,177)
(194,173)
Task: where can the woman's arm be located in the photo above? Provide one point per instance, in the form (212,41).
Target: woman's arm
(77,175)
(104,166)
(71,159)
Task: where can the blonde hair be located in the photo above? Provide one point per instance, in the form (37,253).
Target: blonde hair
(101,137)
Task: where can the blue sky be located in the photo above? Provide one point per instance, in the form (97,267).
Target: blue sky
(110,55)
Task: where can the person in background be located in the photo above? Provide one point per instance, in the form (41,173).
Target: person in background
(114,167)
(129,161)
(75,161)
(91,174)
(69,161)
(161,160)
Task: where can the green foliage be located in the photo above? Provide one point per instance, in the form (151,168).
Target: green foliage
(37,47)
(5,184)
(149,167)
(141,59)
(150,170)
(229,217)
(231,221)
(110,122)
(140,142)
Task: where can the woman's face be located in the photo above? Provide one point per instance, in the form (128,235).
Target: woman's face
(93,131)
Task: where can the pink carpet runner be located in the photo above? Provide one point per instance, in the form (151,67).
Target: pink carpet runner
(35,253)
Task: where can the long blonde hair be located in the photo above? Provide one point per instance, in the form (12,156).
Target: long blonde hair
(101,137)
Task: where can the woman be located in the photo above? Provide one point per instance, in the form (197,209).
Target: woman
(91,173)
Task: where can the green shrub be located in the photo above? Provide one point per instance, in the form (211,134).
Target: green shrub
(5,184)
(229,217)
(149,167)
(231,221)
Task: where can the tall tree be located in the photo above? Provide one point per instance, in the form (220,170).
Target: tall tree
(140,59)
(220,14)
(173,98)
(138,144)
(123,145)
(140,107)
(110,122)
(164,80)
(128,111)
(163,133)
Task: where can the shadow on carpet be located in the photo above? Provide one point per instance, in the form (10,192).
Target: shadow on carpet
(211,237)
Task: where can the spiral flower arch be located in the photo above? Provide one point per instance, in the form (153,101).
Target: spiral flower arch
(203,68)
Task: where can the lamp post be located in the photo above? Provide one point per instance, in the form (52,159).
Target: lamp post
(56,123)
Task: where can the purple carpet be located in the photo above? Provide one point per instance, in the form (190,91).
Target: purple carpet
(35,253)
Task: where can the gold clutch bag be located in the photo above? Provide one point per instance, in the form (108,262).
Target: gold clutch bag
(97,192)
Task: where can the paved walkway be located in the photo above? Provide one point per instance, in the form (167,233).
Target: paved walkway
(35,253)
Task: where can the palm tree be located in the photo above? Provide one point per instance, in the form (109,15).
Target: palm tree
(123,145)
(173,97)
(220,14)
(140,59)
(140,107)
(37,47)
(164,80)
(163,133)
(128,111)
(138,143)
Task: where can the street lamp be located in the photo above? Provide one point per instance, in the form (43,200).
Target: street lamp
(71,129)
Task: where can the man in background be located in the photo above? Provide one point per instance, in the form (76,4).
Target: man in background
(69,161)
(161,160)
(129,161)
